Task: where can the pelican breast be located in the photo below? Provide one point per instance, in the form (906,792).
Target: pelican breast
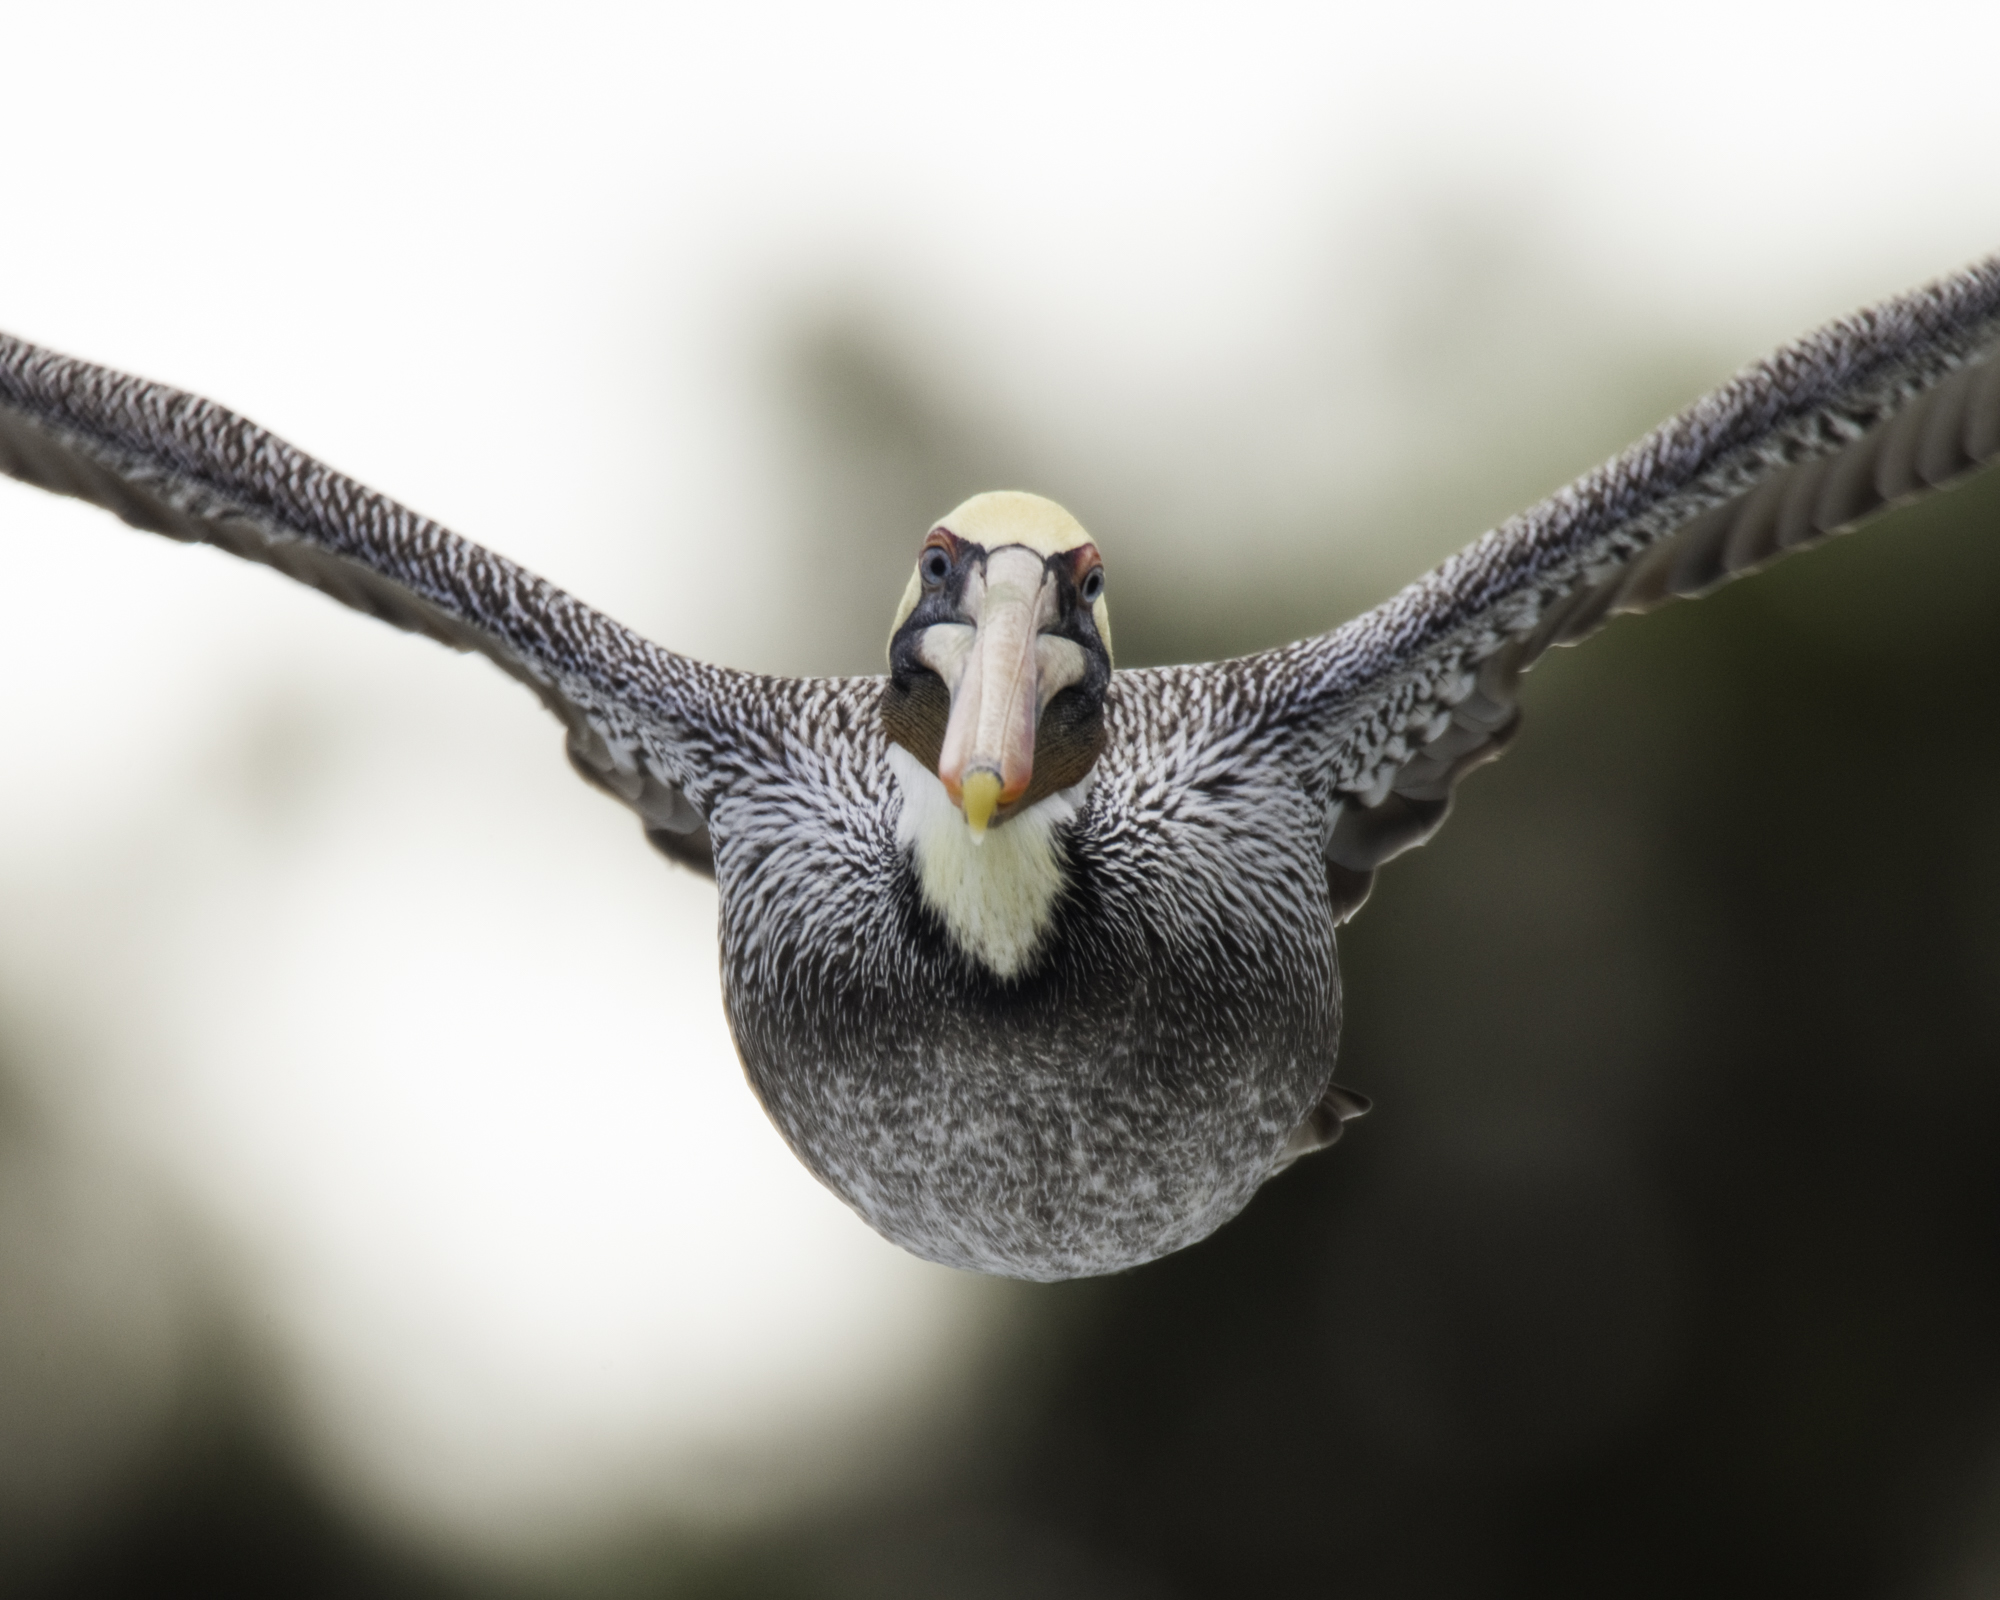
(1121,1095)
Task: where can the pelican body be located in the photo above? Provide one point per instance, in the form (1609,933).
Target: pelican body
(1030,960)
(1120,1091)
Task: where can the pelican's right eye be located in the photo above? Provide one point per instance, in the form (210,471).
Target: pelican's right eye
(935,565)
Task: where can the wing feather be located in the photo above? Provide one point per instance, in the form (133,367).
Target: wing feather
(1388,712)
(648,726)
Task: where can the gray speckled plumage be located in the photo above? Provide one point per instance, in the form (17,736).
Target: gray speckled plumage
(1173,1040)
(1121,1099)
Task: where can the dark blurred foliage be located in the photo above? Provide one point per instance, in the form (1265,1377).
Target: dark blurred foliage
(1669,1261)
(226,1514)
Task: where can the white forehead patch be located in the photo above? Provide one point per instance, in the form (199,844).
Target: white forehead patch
(1010,516)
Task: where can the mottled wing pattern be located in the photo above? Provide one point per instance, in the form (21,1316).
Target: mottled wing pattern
(1389,711)
(652,728)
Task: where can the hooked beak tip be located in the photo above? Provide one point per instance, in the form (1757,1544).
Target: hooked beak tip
(980,798)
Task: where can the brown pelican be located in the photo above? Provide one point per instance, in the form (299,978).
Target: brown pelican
(1031,961)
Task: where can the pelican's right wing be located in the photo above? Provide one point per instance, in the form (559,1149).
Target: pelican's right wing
(1383,716)
(651,727)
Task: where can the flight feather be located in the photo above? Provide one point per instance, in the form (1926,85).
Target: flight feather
(1391,709)
(655,729)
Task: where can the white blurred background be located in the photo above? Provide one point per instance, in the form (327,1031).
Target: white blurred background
(341,1016)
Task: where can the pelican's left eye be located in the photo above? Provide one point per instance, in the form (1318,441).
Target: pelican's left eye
(935,565)
(1093,586)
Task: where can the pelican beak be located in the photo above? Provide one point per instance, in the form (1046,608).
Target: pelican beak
(1001,670)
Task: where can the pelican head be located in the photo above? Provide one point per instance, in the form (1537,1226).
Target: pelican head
(1001,654)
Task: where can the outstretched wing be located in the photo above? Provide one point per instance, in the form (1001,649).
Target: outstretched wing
(1388,712)
(651,727)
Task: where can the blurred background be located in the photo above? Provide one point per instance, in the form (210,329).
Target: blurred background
(381,1208)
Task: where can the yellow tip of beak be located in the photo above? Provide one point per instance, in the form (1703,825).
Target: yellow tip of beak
(980,798)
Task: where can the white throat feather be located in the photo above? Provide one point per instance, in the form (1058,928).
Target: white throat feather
(997,898)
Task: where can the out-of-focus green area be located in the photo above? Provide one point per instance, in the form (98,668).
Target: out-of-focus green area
(1669,1262)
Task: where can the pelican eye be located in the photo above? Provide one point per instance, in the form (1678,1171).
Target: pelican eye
(1093,586)
(934,564)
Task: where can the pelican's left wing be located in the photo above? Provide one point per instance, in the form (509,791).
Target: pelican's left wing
(653,728)
(1384,715)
